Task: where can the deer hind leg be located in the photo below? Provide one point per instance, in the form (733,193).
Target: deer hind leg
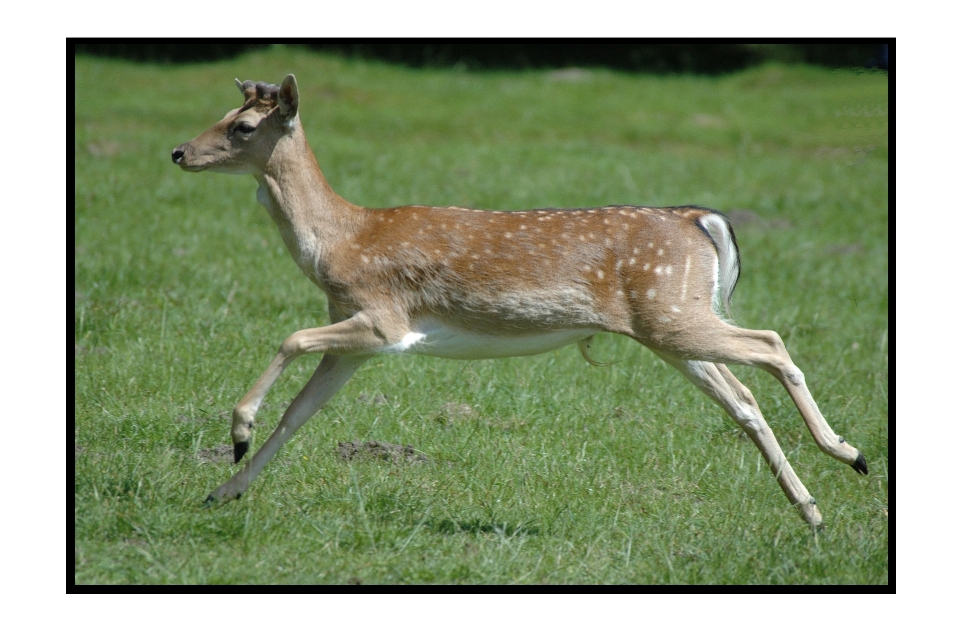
(765,349)
(716,341)
(333,373)
(718,383)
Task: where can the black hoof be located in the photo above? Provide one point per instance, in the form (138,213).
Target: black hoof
(860,466)
(240,450)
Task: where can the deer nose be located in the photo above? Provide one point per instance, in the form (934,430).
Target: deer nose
(177,155)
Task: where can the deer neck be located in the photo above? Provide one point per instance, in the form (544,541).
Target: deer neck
(311,217)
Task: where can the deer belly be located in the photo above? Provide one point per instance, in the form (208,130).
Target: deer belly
(443,341)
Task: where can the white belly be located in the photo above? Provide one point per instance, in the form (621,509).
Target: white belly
(442,341)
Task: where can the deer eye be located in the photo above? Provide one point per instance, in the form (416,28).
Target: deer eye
(245,127)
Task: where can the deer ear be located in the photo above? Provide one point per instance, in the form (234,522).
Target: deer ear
(288,97)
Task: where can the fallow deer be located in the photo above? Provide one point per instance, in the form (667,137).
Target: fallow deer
(462,283)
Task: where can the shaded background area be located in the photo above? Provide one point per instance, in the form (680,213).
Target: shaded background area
(703,57)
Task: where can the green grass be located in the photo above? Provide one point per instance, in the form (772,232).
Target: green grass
(562,472)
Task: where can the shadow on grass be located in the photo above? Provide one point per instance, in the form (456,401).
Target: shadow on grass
(475,526)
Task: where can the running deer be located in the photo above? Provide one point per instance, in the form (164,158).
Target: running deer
(462,283)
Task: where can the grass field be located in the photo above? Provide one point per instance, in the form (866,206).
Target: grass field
(540,469)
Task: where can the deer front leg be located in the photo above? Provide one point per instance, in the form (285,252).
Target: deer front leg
(345,344)
(350,336)
(333,372)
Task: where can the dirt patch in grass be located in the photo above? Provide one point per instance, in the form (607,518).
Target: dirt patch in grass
(843,249)
(376,399)
(82,350)
(740,218)
(570,74)
(373,450)
(218,455)
(453,412)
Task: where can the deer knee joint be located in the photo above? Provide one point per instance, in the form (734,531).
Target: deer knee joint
(291,347)
(747,397)
(794,376)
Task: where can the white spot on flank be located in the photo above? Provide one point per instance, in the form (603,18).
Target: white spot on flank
(646,267)
(664,319)
(365,259)
(651,294)
(405,343)
(669,269)
(675,309)
(658,270)
(659,252)
(686,272)
(508,235)
(649,245)
(600,274)
(636,251)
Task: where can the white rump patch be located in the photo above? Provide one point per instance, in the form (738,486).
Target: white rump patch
(726,268)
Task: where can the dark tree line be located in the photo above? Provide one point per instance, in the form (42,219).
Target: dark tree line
(703,57)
